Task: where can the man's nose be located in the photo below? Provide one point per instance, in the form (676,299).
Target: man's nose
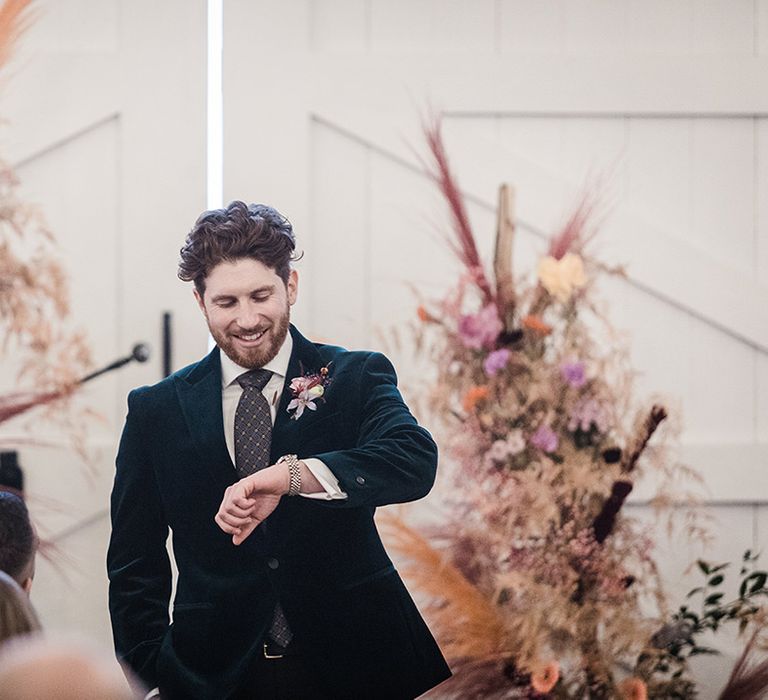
(248,316)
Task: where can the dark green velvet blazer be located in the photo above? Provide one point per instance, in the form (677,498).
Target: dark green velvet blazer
(350,614)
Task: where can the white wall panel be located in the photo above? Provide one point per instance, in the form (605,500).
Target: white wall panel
(272,26)
(723,27)
(408,226)
(87,235)
(96,28)
(339,25)
(595,26)
(538,140)
(761,400)
(761,199)
(339,265)
(761,27)
(718,401)
(595,149)
(425,25)
(70,590)
(706,376)
(723,190)
(532,26)
(660,194)
(659,26)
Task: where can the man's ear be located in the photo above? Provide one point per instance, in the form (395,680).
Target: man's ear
(292,287)
(26,584)
(200,301)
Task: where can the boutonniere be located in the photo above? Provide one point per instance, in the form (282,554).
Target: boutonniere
(307,390)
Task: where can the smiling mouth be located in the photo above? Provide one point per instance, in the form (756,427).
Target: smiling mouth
(250,337)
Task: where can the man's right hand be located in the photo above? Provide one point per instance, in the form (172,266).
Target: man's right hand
(250,501)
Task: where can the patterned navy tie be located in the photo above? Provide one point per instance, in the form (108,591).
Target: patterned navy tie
(253,439)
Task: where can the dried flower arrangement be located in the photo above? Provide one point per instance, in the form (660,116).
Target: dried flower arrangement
(538,586)
(48,356)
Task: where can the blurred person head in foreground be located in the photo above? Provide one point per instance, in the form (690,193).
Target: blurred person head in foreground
(60,669)
(17,617)
(18,540)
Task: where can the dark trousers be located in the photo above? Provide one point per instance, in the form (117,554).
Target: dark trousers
(287,678)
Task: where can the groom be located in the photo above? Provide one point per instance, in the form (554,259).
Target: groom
(266,459)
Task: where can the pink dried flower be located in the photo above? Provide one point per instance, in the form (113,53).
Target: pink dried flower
(545,439)
(515,442)
(481,329)
(573,374)
(587,412)
(496,361)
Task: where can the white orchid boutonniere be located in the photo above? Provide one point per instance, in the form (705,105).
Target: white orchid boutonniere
(307,390)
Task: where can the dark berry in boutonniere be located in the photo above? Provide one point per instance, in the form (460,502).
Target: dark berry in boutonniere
(307,390)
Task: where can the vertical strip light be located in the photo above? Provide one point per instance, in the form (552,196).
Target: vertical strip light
(215,107)
(214,189)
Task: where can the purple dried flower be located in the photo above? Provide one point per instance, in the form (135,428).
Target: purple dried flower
(481,329)
(545,439)
(496,361)
(573,374)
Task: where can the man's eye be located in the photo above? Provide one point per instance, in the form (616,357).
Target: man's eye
(226,304)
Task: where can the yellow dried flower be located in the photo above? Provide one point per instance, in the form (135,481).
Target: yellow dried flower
(562,277)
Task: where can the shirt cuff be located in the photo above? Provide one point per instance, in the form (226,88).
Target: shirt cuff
(327,480)
(154,693)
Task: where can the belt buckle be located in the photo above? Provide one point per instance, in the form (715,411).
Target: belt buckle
(267,655)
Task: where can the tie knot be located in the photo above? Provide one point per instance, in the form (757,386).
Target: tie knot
(255,378)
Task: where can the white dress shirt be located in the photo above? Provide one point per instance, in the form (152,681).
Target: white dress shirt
(230,396)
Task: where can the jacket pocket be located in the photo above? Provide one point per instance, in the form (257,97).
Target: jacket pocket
(368,578)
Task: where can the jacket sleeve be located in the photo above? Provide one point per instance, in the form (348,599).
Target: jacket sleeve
(393,460)
(137,560)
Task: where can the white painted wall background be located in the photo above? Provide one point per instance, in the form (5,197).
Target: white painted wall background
(322,101)
(104,120)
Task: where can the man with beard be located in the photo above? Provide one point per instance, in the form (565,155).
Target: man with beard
(267,460)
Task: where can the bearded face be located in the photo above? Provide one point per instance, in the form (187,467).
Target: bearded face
(248,309)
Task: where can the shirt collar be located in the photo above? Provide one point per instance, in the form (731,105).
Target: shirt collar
(230,370)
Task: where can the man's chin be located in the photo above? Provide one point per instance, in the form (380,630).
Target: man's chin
(251,358)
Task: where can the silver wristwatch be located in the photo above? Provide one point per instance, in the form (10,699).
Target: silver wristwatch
(294,473)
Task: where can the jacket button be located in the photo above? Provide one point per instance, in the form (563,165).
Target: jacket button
(272,563)
(360,480)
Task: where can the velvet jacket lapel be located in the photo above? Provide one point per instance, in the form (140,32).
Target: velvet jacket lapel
(304,359)
(199,394)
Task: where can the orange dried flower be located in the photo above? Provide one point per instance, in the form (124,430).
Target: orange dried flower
(633,688)
(424,315)
(535,324)
(473,396)
(545,677)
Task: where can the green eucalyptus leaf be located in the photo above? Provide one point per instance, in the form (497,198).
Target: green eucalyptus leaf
(714,599)
(696,651)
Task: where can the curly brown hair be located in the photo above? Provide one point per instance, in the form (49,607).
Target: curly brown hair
(240,231)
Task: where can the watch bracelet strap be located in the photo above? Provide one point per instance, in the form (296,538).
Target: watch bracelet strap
(294,473)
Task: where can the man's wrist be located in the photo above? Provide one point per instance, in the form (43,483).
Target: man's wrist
(294,474)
